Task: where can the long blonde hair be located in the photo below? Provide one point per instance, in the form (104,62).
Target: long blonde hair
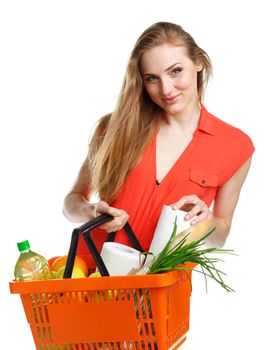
(121,137)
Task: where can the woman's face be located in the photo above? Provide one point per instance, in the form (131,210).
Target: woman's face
(170,78)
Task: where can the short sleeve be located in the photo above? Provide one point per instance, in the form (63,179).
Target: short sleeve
(242,150)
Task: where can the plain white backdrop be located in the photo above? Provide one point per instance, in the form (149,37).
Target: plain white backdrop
(61,67)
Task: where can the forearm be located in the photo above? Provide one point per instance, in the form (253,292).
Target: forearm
(77,208)
(220,234)
(224,205)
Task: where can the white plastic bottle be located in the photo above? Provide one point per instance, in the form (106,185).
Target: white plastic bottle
(30,265)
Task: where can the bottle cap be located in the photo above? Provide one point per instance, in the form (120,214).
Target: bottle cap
(23,245)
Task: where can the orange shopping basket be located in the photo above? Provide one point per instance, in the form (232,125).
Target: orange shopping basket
(107,313)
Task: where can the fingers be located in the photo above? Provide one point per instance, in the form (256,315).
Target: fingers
(120,216)
(196,209)
(104,208)
(203,214)
(118,222)
(186,203)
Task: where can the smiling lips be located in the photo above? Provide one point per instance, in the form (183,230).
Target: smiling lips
(171,100)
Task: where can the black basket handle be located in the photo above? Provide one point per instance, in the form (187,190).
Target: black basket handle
(85,229)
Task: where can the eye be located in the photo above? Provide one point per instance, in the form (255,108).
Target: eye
(151,78)
(176,71)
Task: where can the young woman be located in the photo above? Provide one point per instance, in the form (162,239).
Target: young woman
(161,146)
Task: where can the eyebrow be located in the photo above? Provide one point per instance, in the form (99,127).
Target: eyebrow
(166,70)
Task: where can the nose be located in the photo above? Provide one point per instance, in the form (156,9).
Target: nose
(166,86)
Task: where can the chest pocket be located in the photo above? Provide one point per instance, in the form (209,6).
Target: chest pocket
(203,178)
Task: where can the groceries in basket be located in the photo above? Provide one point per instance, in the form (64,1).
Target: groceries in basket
(30,265)
(175,243)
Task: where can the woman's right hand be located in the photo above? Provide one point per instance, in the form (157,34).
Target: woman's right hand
(120,216)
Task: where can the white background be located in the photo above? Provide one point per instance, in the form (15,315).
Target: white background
(62,65)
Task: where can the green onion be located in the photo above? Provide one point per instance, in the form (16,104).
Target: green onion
(174,257)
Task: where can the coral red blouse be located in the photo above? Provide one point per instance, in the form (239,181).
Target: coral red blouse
(215,153)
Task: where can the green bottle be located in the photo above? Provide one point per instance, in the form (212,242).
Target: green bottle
(30,265)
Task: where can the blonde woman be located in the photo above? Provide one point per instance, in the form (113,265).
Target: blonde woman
(161,146)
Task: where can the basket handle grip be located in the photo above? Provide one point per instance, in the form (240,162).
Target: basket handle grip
(85,229)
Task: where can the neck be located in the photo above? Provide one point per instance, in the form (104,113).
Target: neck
(187,119)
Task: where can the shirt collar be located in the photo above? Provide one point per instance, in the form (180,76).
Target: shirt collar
(206,122)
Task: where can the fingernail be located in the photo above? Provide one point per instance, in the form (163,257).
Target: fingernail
(187,217)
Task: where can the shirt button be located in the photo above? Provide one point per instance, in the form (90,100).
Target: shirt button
(203,182)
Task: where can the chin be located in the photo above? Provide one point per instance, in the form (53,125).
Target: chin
(174,110)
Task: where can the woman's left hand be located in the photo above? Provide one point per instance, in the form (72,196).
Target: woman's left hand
(196,209)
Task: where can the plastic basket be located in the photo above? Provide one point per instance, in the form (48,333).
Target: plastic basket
(108,313)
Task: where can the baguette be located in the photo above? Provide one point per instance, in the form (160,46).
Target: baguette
(194,232)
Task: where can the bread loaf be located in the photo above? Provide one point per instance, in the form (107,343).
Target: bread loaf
(194,232)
